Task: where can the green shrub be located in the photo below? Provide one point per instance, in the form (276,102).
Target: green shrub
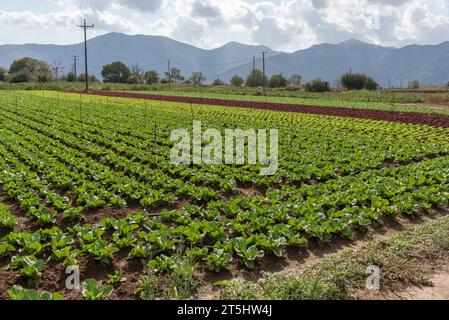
(277,81)
(318,85)
(414,85)
(358,81)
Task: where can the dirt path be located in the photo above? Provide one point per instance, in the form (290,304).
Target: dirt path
(439,290)
(436,120)
(436,289)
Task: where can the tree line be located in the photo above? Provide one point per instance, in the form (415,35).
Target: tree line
(31,70)
(118,72)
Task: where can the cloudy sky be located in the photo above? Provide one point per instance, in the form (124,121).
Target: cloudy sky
(286,25)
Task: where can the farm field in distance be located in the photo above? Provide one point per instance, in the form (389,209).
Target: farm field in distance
(87,181)
(400,101)
(412,117)
(425,100)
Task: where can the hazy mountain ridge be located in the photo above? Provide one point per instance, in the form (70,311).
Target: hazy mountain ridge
(427,63)
(150,52)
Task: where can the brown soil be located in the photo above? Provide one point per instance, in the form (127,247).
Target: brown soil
(431,283)
(438,291)
(94,217)
(53,276)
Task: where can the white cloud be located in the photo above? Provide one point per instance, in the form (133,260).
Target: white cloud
(30,20)
(188,29)
(141,5)
(281,24)
(202,8)
(104,20)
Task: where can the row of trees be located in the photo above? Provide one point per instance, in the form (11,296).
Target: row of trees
(32,70)
(257,79)
(349,81)
(71,77)
(27,70)
(118,72)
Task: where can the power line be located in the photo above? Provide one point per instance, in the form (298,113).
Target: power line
(86,73)
(154,64)
(247,60)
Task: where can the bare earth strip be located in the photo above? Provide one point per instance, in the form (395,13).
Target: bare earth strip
(436,120)
(439,290)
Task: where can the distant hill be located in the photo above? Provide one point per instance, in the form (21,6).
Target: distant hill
(150,52)
(428,64)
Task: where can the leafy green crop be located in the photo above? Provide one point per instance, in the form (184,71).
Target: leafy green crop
(19,293)
(7,220)
(101,250)
(219,259)
(100,184)
(93,291)
(6,249)
(250,253)
(30,267)
(117,277)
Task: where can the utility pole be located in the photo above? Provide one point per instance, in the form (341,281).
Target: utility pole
(74,66)
(254,71)
(264,82)
(169,75)
(86,73)
(350,71)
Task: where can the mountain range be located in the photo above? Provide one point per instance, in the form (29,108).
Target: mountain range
(428,64)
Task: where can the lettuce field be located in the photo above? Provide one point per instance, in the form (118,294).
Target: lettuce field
(86,182)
